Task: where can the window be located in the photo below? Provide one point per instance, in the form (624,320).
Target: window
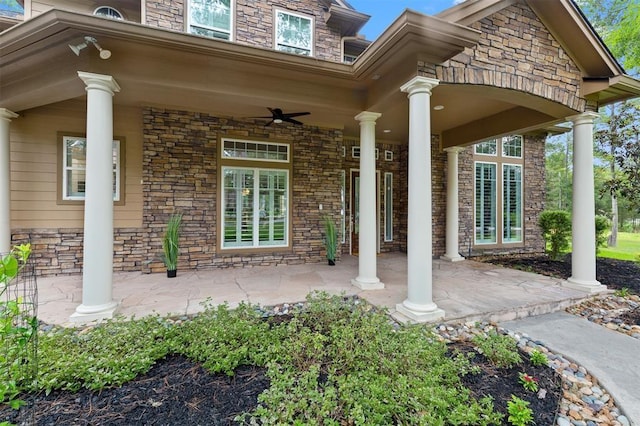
(255,200)
(108,12)
(74,165)
(499,191)
(512,203)
(388,156)
(343,206)
(388,206)
(512,146)
(486,148)
(486,220)
(294,33)
(211,18)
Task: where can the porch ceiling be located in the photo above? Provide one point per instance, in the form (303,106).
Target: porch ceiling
(156,67)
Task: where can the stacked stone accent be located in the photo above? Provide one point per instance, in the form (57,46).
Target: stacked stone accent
(515,51)
(167,14)
(255,25)
(181,174)
(533,201)
(59,251)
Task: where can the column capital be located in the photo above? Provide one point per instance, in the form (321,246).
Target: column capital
(99,82)
(419,84)
(584,118)
(454,149)
(367,116)
(5,114)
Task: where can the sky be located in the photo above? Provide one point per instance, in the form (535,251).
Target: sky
(384,12)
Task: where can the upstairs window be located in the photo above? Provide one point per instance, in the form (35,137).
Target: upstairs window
(211,18)
(294,33)
(108,12)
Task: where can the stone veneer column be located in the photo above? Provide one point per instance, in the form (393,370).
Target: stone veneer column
(97,271)
(419,304)
(5,180)
(451,253)
(583,256)
(367,265)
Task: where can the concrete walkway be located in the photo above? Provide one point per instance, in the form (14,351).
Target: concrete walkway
(612,357)
(466,290)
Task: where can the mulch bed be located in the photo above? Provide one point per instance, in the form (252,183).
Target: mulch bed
(177,391)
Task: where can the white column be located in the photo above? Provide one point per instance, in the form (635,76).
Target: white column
(97,272)
(367,265)
(5,180)
(451,253)
(419,304)
(583,257)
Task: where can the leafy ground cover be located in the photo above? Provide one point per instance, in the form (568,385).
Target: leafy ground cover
(336,362)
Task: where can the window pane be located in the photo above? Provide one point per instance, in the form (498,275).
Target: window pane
(211,18)
(486,148)
(512,146)
(238,208)
(76,183)
(485,203)
(255,207)
(294,33)
(241,150)
(512,203)
(76,152)
(74,164)
(388,206)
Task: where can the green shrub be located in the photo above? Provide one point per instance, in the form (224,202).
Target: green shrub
(556,230)
(501,350)
(519,412)
(538,358)
(602,226)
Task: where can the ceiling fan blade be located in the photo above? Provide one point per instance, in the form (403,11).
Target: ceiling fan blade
(296,114)
(291,120)
(266,116)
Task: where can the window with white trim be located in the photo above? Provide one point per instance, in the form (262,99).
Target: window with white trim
(388,206)
(211,18)
(255,200)
(498,191)
(108,12)
(74,168)
(293,33)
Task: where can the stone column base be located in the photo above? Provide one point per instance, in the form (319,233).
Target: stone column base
(583,285)
(429,313)
(368,283)
(86,314)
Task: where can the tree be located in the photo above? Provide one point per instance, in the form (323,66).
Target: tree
(618,23)
(558,170)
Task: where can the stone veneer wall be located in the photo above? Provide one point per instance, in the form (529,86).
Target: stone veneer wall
(254,22)
(167,14)
(533,202)
(515,51)
(59,251)
(181,173)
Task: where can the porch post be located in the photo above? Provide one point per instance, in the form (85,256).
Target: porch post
(97,272)
(367,269)
(5,180)
(419,304)
(583,257)
(452,254)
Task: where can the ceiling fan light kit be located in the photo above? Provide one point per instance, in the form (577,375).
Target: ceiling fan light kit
(279,117)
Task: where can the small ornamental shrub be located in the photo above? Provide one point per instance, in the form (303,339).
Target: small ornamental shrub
(556,230)
(501,350)
(528,382)
(519,412)
(538,358)
(602,226)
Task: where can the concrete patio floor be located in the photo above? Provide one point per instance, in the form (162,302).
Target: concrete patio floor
(467,291)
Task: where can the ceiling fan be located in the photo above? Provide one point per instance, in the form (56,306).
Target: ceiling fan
(277,116)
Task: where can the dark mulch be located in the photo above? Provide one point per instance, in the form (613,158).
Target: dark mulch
(501,383)
(174,392)
(615,274)
(631,317)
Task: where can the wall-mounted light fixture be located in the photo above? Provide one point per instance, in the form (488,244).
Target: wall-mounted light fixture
(76,48)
